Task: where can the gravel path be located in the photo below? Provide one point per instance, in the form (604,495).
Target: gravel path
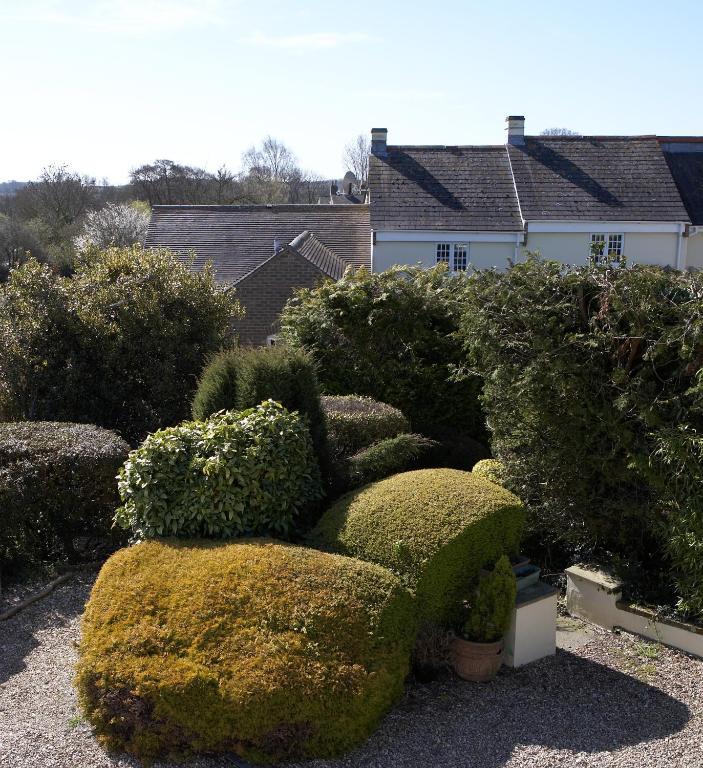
(614,702)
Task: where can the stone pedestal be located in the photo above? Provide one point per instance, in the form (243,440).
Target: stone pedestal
(533,629)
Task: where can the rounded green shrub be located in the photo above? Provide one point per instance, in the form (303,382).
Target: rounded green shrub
(387,457)
(490,469)
(238,473)
(435,527)
(263,649)
(57,482)
(355,422)
(241,378)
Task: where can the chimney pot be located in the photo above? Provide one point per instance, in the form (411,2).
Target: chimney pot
(516,129)
(379,137)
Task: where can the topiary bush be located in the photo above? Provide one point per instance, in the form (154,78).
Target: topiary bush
(490,469)
(355,422)
(435,527)
(57,482)
(387,457)
(242,378)
(236,474)
(263,649)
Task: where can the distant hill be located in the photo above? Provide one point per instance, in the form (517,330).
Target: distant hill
(10,187)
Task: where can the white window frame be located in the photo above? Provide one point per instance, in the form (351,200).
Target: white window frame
(606,239)
(451,252)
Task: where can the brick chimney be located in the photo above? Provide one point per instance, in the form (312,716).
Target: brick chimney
(379,137)
(516,129)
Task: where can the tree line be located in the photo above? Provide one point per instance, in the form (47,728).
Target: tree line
(64,212)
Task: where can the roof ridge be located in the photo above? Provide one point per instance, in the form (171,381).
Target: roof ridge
(265,207)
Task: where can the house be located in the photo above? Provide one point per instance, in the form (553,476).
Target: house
(266,251)
(635,196)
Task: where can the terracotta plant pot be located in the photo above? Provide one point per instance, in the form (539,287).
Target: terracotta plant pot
(478,662)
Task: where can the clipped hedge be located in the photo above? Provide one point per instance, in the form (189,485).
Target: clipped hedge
(241,378)
(355,422)
(57,482)
(263,649)
(387,457)
(239,473)
(434,527)
(490,469)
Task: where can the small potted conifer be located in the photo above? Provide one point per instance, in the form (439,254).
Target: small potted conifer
(478,653)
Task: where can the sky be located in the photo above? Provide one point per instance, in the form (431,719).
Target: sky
(104,86)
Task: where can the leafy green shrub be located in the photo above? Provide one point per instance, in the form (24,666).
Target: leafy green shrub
(492,605)
(392,336)
(239,473)
(242,378)
(490,469)
(355,422)
(118,344)
(263,649)
(592,388)
(435,527)
(387,457)
(57,482)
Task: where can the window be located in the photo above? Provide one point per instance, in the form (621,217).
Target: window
(461,253)
(443,251)
(614,245)
(606,245)
(454,255)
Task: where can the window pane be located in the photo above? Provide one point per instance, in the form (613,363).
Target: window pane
(443,250)
(614,245)
(460,257)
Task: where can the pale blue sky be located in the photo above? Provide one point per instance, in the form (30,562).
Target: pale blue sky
(105,85)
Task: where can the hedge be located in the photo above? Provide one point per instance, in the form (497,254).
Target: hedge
(266,650)
(392,336)
(241,378)
(118,344)
(593,381)
(57,482)
(239,473)
(355,422)
(435,527)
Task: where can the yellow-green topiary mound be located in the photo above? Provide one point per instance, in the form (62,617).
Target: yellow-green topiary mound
(435,527)
(490,469)
(260,648)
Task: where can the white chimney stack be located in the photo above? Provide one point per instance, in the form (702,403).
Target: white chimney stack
(516,129)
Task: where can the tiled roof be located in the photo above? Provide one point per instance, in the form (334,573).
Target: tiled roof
(685,160)
(238,239)
(611,178)
(308,246)
(452,188)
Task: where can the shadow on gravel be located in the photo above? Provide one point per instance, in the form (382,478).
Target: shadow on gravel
(562,703)
(18,635)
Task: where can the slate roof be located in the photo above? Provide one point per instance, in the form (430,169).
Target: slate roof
(610,178)
(310,248)
(238,239)
(685,160)
(452,188)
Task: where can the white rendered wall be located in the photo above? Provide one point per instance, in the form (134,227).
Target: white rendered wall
(694,257)
(574,247)
(481,255)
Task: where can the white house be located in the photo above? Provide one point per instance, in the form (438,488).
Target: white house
(640,196)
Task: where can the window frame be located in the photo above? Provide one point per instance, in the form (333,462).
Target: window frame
(606,238)
(449,255)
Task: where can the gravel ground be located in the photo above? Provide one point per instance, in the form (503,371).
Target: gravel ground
(612,702)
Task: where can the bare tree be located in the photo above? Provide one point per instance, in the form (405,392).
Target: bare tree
(164,182)
(272,161)
(559,132)
(59,197)
(356,158)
